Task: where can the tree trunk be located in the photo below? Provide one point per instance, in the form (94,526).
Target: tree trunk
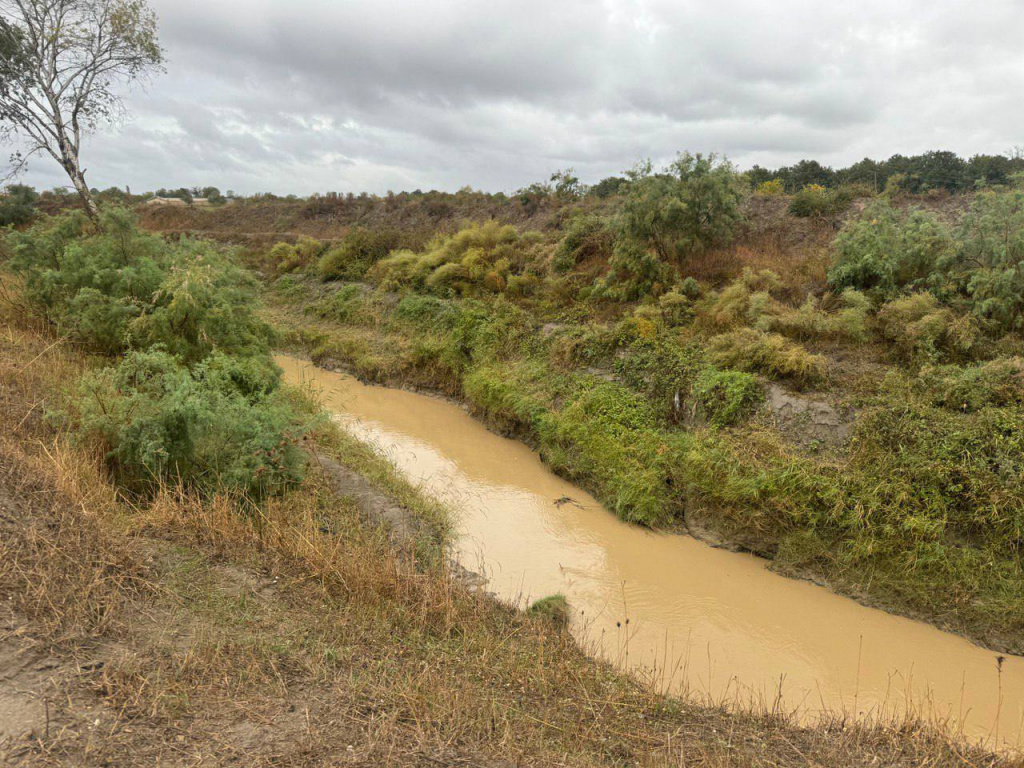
(78,179)
(77,175)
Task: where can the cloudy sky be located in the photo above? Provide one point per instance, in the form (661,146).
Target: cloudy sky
(297,96)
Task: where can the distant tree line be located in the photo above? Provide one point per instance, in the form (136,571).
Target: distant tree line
(910,173)
(939,169)
(817,186)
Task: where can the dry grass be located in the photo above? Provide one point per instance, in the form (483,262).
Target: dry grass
(290,635)
(795,249)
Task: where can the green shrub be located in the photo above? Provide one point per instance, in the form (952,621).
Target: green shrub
(121,265)
(769,353)
(742,301)
(923,331)
(634,273)
(676,307)
(691,289)
(476,260)
(120,287)
(18,205)
(358,251)
(609,186)
(690,207)
(816,200)
(204,304)
(285,258)
(282,258)
(658,367)
(996,383)
(587,237)
(403,269)
(989,265)
(771,188)
(748,301)
(308,248)
(522,285)
(724,398)
(885,251)
(849,321)
(221,425)
(452,279)
(553,608)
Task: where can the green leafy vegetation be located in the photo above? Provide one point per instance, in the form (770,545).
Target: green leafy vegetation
(286,257)
(587,237)
(359,250)
(976,268)
(772,354)
(553,608)
(223,425)
(192,396)
(816,200)
(688,208)
(642,376)
(119,288)
(922,330)
(887,251)
(17,205)
(725,398)
(989,264)
(478,259)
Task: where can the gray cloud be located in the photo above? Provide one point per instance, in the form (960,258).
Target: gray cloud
(311,95)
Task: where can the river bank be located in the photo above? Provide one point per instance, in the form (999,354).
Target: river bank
(714,625)
(180,629)
(601,428)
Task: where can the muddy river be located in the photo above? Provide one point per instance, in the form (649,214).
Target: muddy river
(689,617)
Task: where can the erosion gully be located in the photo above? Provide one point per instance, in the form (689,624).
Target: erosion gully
(692,619)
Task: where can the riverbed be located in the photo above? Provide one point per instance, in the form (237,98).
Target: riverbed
(690,618)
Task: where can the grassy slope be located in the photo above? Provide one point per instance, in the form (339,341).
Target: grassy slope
(180,631)
(750,485)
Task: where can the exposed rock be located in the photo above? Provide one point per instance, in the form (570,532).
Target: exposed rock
(601,373)
(401,524)
(375,507)
(704,523)
(807,421)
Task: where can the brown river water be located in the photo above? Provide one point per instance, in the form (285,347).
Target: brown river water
(688,617)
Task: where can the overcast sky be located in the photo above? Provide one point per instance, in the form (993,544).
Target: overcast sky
(297,96)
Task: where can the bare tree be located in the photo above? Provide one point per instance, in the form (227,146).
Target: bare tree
(61,64)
